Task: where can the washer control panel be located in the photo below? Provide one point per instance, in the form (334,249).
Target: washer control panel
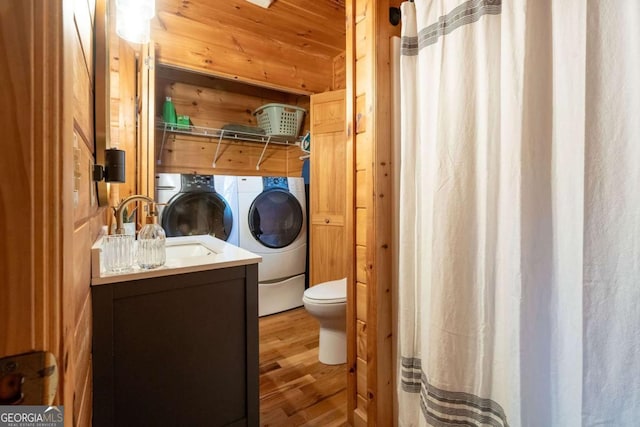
(192,183)
(275,182)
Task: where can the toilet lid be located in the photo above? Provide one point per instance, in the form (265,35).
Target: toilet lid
(328,292)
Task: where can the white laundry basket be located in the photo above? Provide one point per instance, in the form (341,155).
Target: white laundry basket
(280,119)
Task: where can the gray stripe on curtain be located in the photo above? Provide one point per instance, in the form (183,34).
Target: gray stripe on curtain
(414,380)
(467,13)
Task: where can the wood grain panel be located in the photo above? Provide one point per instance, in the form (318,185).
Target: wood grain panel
(364,69)
(326,241)
(362,403)
(145,149)
(240,55)
(319,25)
(379,316)
(82,356)
(361,119)
(361,226)
(167,75)
(361,302)
(329,113)
(329,192)
(361,39)
(87,203)
(124,114)
(339,72)
(216,102)
(363,151)
(362,376)
(82,94)
(98,220)
(294,161)
(361,11)
(186,154)
(88,220)
(84,27)
(214,107)
(361,339)
(82,272)
(16,198)
(361,264)
(36,192)
(328,175)
(352,289)
(363,192)
(360,418)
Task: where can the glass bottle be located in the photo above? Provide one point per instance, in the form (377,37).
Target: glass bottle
(151,242)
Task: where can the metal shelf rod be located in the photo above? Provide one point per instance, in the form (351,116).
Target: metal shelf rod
(262,154)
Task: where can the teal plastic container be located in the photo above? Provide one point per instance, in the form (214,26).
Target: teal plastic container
(169,112)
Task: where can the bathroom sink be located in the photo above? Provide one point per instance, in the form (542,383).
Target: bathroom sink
(187,250)
(184,254)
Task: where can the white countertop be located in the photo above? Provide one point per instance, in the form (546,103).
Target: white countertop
(222,255)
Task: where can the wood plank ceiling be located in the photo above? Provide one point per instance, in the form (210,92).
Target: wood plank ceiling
(290,46)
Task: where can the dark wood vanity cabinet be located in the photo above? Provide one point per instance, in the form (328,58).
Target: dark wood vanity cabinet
(177,350)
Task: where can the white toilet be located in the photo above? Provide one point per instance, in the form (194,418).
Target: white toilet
(327,302)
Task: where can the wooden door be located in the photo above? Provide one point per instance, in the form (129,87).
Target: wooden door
(146,110)
(35,189)
(329,192)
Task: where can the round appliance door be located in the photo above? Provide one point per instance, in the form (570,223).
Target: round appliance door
(275,218)
(191,214)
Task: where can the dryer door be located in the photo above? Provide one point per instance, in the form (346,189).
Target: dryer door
(275,218)
(189,214)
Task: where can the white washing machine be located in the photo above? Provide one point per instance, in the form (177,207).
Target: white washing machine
(273,224)
(198,204)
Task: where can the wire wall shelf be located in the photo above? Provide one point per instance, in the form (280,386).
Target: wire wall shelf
(222,134)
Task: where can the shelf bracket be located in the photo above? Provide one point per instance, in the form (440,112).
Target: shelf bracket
(215,156)
(164,137)
(262,154)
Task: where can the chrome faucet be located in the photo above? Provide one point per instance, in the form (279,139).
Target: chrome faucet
(119,210)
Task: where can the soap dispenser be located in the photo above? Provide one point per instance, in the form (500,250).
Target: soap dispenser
(151,242)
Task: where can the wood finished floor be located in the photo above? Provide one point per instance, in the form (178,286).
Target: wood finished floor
(295,388)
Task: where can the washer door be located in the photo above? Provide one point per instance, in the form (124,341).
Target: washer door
(275,218)
(189,214)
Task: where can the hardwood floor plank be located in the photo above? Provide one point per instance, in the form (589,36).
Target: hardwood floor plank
(295,388)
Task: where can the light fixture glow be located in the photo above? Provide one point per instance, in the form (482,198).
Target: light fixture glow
(145,9)
(133,19)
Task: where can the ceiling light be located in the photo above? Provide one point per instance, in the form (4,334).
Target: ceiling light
(144,9)
(133,19)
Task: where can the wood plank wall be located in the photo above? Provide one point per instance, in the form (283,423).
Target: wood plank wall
(339,72)
(368,73)
(123,108)
(213,102)
(88,219)
(289,46)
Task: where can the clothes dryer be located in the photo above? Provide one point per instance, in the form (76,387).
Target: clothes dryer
(273,224)
(198,204)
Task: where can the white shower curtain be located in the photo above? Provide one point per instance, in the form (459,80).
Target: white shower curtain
(519,252)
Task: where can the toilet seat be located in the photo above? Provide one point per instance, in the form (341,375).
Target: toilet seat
(333,292)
